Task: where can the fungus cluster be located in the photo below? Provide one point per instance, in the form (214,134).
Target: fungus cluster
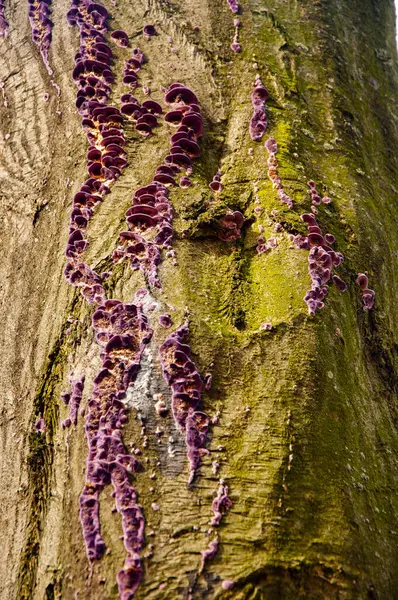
(145,115)
(39,17)
(258,121)
(103,126)
(121,329)
(73,400)
(272,149)
(186,384)
(368,296)
(316,199)
(322,259)
(151,214)
(231,224)
(3,21)
(264,245)
(131,67)
(122,332)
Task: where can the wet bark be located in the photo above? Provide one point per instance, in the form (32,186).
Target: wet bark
(306,435)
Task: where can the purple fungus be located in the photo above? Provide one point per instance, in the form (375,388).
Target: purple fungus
(75,399)
(189,147)
(221,504)
(258,121)
(362,281)
(129,578)
(209,553)
(128,98)
(234,6)
(186,384)
(340,284)
(216,185)
(230,224)
(148,119)
(194,122)
(3,22)
(149,31)
(120,38)
(143,129)
(174,117)
(329,238)
(315,239)
(153,107)
(185,182)
(164,179)
(368,296)
(179,94)
(309,219)
(40,426)
(129,108)
(236,47)
(165,321)
(271,146)
(179,160)
(167,170)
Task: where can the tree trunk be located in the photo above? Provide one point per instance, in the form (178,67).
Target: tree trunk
(304,407)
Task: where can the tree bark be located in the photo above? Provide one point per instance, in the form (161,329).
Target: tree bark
(306,427)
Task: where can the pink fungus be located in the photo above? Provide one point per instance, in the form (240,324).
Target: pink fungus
(227,584)
(221,504)
(234,6)
(265,327)
(210,552)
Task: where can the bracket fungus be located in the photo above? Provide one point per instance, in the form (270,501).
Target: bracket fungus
(322,259)
(41,25)
(120,38)
(149,31)
(258,121)
(186,384)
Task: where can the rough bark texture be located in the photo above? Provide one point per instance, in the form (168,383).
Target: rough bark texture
(307,435)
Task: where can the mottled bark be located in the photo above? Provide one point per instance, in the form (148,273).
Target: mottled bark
(307,430)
